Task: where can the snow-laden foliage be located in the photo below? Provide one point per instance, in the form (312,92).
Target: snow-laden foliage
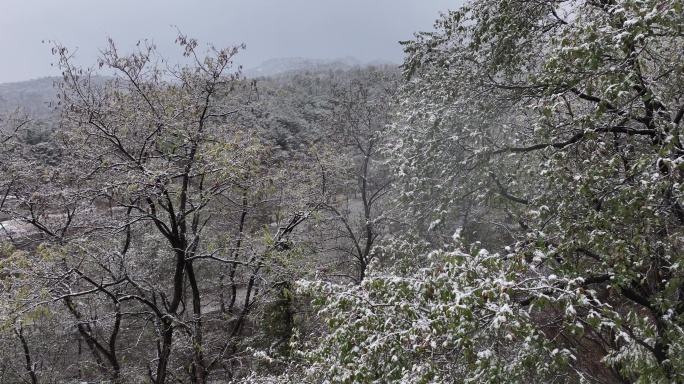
(560,123)
(550,130)
(456,320)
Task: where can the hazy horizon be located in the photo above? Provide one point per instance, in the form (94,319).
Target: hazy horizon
(366,31)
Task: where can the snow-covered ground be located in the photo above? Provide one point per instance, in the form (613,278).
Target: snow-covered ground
(15,229)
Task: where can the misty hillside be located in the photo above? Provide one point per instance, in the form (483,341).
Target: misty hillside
(32,96)
(273,67)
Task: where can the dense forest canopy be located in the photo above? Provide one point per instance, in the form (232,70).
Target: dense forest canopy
(506,208)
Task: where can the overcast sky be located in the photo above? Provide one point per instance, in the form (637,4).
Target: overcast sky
(365,29)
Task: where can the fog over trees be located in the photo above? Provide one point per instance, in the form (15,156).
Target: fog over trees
(504,207)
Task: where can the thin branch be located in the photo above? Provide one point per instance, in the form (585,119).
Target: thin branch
(503,192)
(577,138)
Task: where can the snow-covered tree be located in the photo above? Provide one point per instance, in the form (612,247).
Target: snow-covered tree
(358,180)
(150,241)
(560,121)
(453,321)
(555,126)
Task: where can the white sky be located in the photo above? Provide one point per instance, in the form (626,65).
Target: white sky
(365,29)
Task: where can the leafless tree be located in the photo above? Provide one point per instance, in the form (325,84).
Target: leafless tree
(360,115)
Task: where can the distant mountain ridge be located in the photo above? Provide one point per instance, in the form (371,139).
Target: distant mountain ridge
(281,66)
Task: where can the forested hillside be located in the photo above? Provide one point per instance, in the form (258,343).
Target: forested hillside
(31,96)
(505,207)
